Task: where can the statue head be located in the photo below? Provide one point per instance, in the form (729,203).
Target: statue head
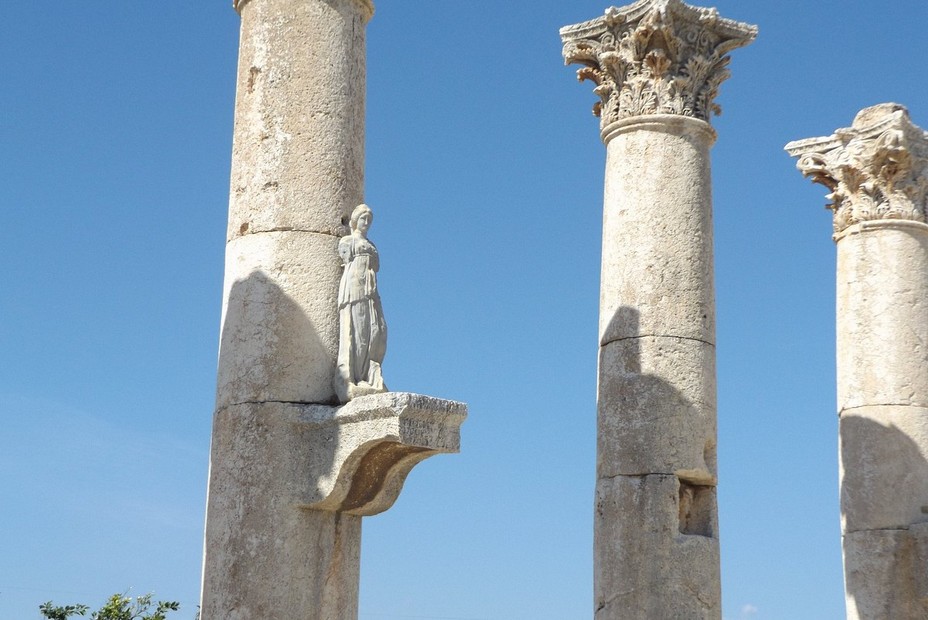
(358,221)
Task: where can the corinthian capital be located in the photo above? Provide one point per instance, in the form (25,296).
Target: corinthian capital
(877,169)
(655,57)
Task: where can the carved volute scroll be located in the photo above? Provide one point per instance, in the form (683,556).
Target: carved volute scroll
(655,57)
(877,169)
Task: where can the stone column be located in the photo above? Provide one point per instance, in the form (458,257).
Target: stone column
(657,66)
(877,172)
(291,471)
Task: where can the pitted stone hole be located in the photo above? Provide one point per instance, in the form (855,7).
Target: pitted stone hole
(696,504)
(252,78)
(709,455)
(243,228)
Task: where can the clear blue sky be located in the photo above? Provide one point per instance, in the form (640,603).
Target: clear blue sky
(485,169)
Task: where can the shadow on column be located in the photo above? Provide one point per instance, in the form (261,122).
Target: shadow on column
(884,502)
(264,552)
(649,426)
(657,552)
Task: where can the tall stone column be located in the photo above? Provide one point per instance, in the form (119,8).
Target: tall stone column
(657,66)
(877,172)
(291,471)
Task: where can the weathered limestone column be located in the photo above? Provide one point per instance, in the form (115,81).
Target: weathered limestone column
(877,172)
(291,471)
(657,66)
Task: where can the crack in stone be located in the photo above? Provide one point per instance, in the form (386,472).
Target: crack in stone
(696,482)
(278,402)
(608,342)
(286,229)
(880,529)
(841,412)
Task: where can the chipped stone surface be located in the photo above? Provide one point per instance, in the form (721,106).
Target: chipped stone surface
(877,169)
(260,541)
(378,439)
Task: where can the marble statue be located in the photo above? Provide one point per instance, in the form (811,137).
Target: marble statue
(362,331)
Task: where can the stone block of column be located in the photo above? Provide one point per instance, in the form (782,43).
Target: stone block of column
(883,290)
(298,153)
(657,233)
(885,572)
(279,337)
(657,408)
(660,541)
(883,467)
(877,173)
(285,533)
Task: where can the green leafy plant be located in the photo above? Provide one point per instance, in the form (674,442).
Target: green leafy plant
(52,612)
(118,607)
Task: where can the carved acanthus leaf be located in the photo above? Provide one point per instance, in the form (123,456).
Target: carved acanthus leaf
(655,57)
(877,169)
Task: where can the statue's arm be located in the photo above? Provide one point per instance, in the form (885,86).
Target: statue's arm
(344,249)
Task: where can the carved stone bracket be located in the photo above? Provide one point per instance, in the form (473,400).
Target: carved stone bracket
(655,57)
(367,447)
(877,169)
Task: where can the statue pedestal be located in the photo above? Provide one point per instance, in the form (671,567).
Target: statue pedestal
(370,445)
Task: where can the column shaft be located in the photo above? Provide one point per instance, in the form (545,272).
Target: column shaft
(657,66)
(656,520)
(297,172)
(882,344)
(876,171)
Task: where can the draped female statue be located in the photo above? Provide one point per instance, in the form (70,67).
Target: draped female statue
(362,330)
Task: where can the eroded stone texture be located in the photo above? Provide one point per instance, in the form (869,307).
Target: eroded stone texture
(877,169)
(877,172)
(289,483)
(378,439)
(657,66)
(884,471)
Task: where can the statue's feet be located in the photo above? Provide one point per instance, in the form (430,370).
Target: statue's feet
(375,377)
(363,389)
